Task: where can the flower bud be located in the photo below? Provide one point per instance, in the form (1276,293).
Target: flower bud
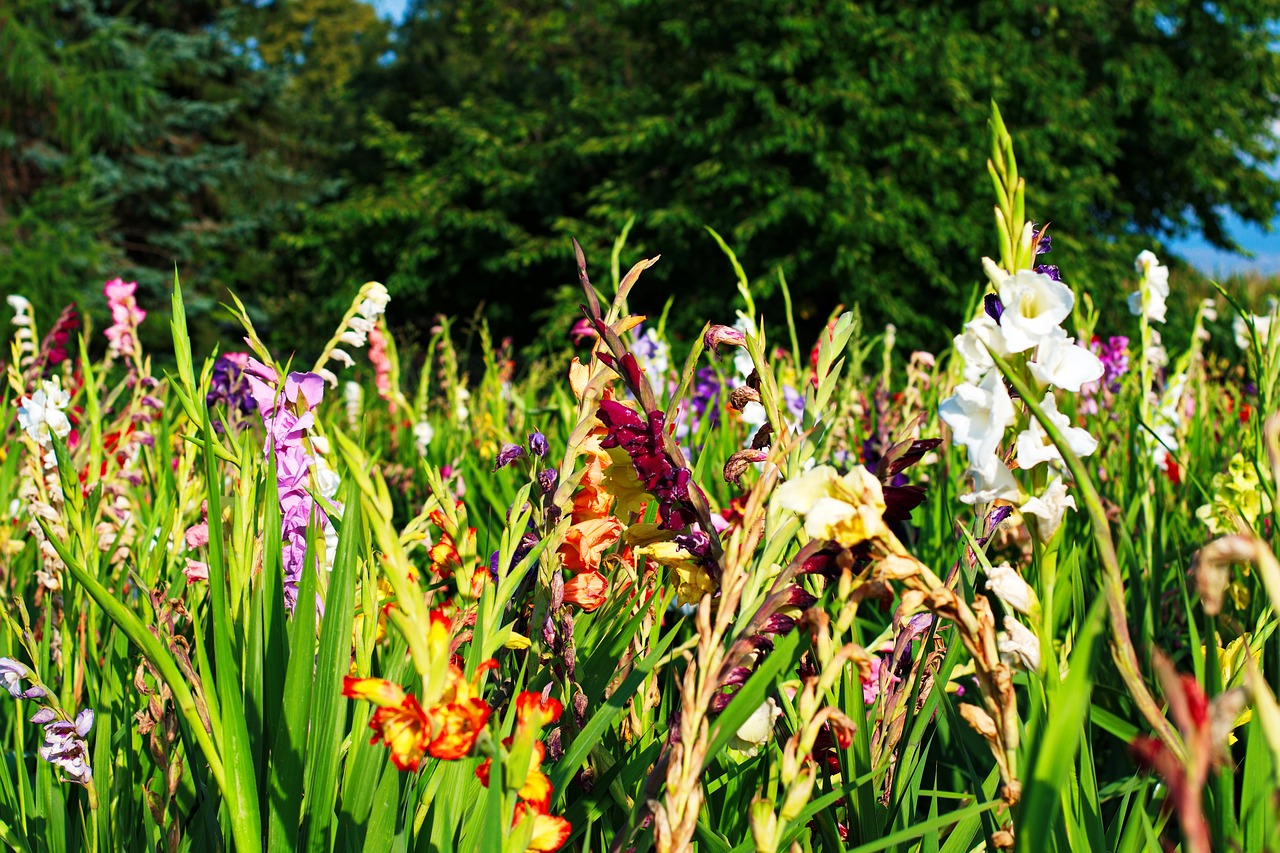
(547,480)
(798,795)
(764,825)
(717,335)
(538,445)
(43,716)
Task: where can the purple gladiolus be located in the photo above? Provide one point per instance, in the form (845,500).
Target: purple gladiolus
(287,414)
(229,385)
(1114,355)
(65,746)
(538,445)
(508,454)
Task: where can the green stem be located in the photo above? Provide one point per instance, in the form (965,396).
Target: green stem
(1113,580)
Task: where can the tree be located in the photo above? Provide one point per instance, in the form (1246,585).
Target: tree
(843,143)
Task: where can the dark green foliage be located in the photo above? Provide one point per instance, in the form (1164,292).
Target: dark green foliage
(294,149)
(843,143)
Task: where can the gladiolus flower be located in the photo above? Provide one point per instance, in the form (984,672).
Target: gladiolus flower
(403,729)
(585,543)
(1007,585)
(1034,445)
(536,787)
(550,832)
(508,454)
(981,338)
(1034,304)
(848,510)
(535,712)
(587,590)
(1049,509)
(457,727)
(1019,644)
(979,414)
(757,729)
(717,335)
(1062,364)
(1153,291)
(379,691)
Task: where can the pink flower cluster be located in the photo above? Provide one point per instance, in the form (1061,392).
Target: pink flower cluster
(287,413)
(125,318)
(381,362)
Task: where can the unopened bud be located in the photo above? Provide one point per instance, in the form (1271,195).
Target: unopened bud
(798,795)
(764,825)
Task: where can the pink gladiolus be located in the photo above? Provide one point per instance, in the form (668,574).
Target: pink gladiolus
(125,318)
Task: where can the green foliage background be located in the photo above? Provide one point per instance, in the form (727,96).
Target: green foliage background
(291,150)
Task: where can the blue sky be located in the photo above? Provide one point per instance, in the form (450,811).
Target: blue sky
(1264,247)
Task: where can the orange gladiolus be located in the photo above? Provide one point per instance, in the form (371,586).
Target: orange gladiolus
(403,729)
(536,788)
(457,727)
(550,832)
(533,711)
(585,543)
(379,691)
(588,590)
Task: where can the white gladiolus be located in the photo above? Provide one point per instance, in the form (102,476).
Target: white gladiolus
(342,356)
(43,413)
(1007,585)
(1035,447)
(1048,510)
(1261,325)
(353,402)
(1034,305)
(1019,645)
(1153,290)
(422,435)
(979,414)
(375,301)
(352,338)
(992,481)
(981,337)
(1062,364)
(1157,356)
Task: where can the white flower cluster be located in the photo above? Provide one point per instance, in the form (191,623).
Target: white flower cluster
(25,336)
(373,299)
(1148,301)
(1240,326)
(43,414)
(1029,333)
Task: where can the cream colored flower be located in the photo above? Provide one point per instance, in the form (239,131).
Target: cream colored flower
(756,731)
(1019,645)
(981,338)
(848,510)
(1007,585)
(1153,291)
